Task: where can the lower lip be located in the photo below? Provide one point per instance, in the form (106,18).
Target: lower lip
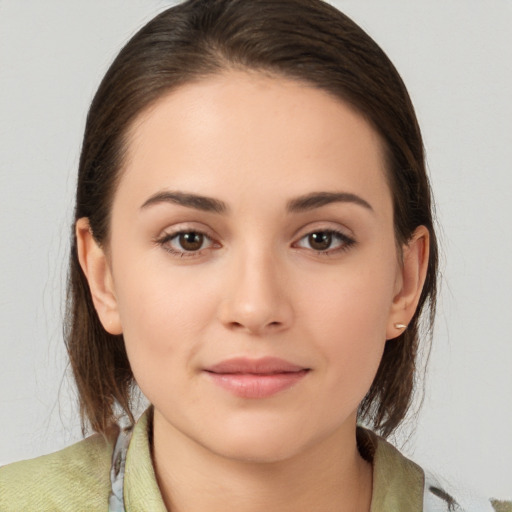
(250,385)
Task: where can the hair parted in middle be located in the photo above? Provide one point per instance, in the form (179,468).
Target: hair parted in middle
(305,40)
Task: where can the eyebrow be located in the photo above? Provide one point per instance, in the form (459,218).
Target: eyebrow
(209,204)
(319,199)
(203,203)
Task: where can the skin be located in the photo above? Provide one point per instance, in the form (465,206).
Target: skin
(257,287)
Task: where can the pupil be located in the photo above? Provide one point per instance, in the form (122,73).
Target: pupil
(320,241)
(191,241)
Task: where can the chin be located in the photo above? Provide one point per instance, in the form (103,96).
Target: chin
(261,440)
(255,450)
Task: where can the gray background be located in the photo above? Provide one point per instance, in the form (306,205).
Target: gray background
(456,58)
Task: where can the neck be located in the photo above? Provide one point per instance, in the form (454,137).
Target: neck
(330,476)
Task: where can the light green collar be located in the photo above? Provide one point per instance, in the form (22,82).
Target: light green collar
(141,490)
(397,481)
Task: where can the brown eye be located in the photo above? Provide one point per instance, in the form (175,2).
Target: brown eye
(187,244)
(191,241)
(320,241)
(325,242)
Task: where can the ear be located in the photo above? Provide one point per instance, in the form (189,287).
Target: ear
(95,265)
(410,282)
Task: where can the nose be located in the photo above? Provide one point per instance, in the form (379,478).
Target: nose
(256,299)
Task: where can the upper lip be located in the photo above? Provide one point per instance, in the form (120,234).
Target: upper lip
(261,366)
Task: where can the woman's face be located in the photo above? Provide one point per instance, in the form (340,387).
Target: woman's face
(252,264)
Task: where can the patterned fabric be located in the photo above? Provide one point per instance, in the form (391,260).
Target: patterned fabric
(441,497)
(116,497)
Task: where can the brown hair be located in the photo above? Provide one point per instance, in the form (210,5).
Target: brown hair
(306,40)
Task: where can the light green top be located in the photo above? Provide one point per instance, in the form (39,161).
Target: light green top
(78,478)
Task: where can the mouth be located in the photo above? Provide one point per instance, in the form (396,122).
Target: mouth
(255,378)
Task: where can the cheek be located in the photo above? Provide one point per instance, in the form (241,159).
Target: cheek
(347,316)
(351,332)
(351,303)
(163,316)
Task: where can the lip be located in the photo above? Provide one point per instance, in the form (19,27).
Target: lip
(255,378)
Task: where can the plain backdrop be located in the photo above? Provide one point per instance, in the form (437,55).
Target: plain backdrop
(456,59)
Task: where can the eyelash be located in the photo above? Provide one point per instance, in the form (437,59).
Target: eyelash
(165,240)
(346,242)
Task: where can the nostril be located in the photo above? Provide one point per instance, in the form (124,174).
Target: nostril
(255,328)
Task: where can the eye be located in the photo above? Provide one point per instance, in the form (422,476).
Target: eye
(185,243)
(325,241)
(191,241)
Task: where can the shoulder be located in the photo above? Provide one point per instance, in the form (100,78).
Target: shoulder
(76,478)
(401,485)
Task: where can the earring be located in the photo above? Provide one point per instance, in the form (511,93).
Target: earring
(400,326)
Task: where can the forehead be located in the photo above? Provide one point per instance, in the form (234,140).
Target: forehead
(249,129)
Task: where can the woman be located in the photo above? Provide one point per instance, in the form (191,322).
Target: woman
(253,246)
